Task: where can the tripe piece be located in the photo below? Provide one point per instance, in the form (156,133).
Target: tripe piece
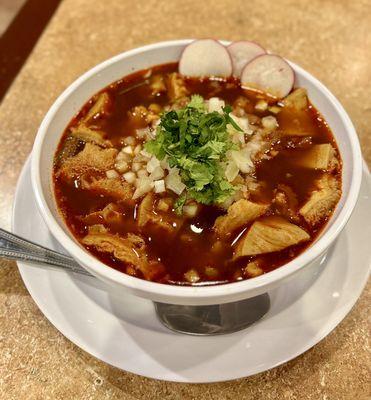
(240,213)
(269,234)
(322,201)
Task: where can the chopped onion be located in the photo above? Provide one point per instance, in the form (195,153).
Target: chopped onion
(141,173)
(129,140)
(111,174)
(142,133)
(174,182)
(269,122)
(231,171)
(144,185)
(159,186)
(137,149)
(128,150)
(253,147)
(136,166)
(163,205)
(236,136)
(242,159)
(215,104)
(123,156)
(192,276)
(145,153)
(157,173)
(121,166)
(261,105)
(164,164)
(190,210)
(129,177)
(243,123)
(153,163)
(140,158)
(275,109)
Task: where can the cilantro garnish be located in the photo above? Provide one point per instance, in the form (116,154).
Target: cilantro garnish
(178,205)
(196,142)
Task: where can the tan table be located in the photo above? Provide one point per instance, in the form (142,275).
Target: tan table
(331,39)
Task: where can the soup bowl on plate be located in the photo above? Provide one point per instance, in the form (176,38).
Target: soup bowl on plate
(78,93)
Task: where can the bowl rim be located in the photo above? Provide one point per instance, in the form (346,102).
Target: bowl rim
(153,289)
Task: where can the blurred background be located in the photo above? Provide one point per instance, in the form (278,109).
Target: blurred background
(21,24)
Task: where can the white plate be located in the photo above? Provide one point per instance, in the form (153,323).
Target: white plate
(123,330)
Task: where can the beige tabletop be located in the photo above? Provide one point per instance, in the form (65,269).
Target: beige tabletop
(331,39)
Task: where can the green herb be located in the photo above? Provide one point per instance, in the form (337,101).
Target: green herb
(227,110)
(178,205)
(196,142)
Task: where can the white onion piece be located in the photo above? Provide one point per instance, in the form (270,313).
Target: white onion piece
(157,173)
(140,159)
(252,148)
(159,186)
(192,276)
(143,133)
(137,149)
(231,171)
(121,166)
(242,159)
(242,52)
(269,122)
(141,173)
(111,174)
(146,154)
(205,57)
(261,105)
(144,185)
(215,104)
(127,150)
(123,156)
(269,73)
(129,140)
(129,177)
(164,164)
(136,166)
(190,210)
(174,182)
(152,164)
(243,123)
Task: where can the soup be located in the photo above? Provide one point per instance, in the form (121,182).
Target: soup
(196,181)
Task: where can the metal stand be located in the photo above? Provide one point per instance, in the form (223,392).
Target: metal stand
(215,319)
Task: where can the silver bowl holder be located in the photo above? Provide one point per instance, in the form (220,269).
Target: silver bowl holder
(214,319)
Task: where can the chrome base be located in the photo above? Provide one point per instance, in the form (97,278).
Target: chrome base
(215,319)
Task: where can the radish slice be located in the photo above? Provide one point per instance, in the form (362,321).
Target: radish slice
(205,57)
(269,73)
(243,52)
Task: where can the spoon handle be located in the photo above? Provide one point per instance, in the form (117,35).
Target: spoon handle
(13,247)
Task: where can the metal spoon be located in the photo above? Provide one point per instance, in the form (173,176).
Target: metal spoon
(192,320)
(13,247)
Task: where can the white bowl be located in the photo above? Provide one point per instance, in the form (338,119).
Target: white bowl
(71,100)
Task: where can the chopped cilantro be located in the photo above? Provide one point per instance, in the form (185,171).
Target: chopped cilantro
(178,205)
(196,142)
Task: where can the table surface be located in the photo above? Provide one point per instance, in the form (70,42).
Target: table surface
(331,39)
